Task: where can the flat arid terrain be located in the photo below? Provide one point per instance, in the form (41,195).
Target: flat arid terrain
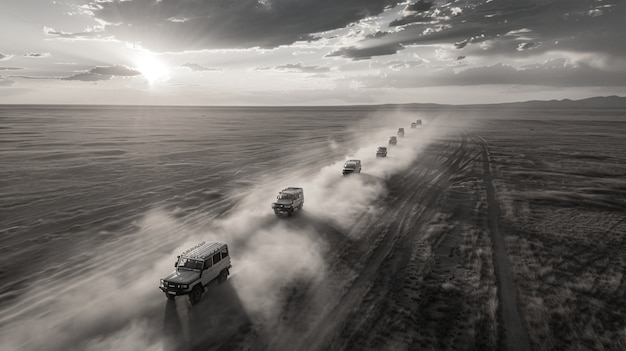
(481,231)
(561,190)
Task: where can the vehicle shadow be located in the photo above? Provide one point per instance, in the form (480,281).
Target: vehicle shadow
(173,328)
(218,321)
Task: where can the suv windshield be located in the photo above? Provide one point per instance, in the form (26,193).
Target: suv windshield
(285,196)
(187,263)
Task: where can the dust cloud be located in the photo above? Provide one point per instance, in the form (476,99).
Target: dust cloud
(342,200)
(269,253)
(102,301)
(108,298)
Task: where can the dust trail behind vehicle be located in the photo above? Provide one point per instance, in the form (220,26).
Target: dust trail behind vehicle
(102,199)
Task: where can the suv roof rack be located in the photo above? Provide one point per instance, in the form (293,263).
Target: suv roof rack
(203,250)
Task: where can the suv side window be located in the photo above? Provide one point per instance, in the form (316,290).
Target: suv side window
(217,258)
(207,264)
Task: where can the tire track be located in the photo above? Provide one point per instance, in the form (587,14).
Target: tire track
(515,334)
(391,314)
(376,313)
(373,251)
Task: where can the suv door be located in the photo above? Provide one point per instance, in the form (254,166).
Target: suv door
(208,271)
(300,200)
(217,266)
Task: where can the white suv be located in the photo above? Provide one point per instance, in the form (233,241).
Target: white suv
(289,200)
(196,268)
(352,166)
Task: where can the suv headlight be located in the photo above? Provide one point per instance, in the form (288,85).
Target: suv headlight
(162,283)
(184,286)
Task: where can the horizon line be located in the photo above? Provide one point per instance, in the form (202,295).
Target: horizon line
(407,104)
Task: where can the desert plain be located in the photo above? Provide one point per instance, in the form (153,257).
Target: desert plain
(481,231)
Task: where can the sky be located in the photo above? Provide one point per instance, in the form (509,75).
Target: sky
(309,52)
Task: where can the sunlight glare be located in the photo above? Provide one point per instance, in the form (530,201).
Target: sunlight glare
(152,68)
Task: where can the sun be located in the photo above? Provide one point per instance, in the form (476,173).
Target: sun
(152,68)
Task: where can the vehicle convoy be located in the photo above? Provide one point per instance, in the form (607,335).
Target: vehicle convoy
(289,200)
(381,151)
(413,125)
(400,132)
(196,268)
(393,140)
(351,166)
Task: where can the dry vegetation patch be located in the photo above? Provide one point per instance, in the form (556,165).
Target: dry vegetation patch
(563,205)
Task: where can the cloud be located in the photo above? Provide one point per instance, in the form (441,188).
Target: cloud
(584,26)
(413,18)
(461,44)
(6,82)
(66,35)
(115,71)
(362,53)
(177,25)
(36,54)
(87,77)
(525,46)
(553,73)
(198,68)
(397,65)
(103,73)
(298,67)
(415,13)
(419,6)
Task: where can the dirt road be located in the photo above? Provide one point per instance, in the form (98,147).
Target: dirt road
(425,270)
(405,255)
(515,335)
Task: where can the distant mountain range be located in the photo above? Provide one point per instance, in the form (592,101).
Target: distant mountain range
(610,102)
(600,102)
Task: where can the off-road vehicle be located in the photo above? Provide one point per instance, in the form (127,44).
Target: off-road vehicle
(289,200)
(196,268)
(381,151)
(351,166)
(418,122)
(393,140)
(413,125)
(400,132)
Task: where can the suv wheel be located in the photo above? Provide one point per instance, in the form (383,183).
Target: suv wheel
(223,276)
(170,296)
(196,294)
(290,212)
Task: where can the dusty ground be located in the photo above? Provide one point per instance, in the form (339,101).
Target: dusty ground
(563,195)
(471,236)
(418,275)
(490,240)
